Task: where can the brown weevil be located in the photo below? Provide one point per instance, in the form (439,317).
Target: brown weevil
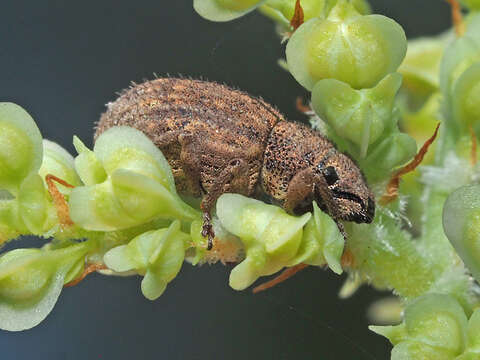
(220,140)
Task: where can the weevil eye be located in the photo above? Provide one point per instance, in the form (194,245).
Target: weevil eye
(330,175)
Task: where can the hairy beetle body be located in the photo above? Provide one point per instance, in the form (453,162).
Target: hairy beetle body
(217,140)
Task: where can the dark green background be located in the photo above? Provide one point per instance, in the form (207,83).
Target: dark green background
(62,61)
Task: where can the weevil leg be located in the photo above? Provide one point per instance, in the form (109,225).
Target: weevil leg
(303,184)
(235,170)
(190,163)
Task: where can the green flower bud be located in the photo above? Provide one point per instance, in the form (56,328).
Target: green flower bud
(461,223)
(33,204)
(270,236)
(20,146)
(31,281)
(139,186)
(466,97)
(434,327)
(157,255)
(358,50)
(57,161)
(126,148)
(321,244)
(88,167)
(224,10)
(358,115)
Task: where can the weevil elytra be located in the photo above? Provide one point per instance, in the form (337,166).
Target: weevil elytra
(218,140)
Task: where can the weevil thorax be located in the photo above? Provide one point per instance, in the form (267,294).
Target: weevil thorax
(295,151)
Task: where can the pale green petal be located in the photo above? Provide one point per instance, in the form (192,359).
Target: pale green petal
(224,10)
(89,168)
(57,161)
(33,204)
(21,148)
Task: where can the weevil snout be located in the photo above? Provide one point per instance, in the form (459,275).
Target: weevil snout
(352,199)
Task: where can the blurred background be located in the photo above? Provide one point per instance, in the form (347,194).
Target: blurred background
(62,61)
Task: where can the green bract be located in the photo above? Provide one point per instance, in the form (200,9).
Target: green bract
(224,10)
(341,48)
(31,281)
(434,327)
(461,221)
(157,255)
(273,239)
(138,187)
(57,161)
(358,115)
(321,243)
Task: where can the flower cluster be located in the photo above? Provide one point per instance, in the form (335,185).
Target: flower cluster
(121,197)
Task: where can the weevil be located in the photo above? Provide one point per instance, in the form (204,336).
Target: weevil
(221,140)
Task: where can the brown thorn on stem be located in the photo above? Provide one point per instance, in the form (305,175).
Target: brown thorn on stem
(391,191)
(297,18)
(473,153)
(284,275)
(61,205)
(88,270)
(457,17)
(301,107)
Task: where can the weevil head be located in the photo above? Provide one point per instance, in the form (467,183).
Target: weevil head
(349,197)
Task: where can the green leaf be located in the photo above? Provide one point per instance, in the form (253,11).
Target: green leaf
(20,146)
